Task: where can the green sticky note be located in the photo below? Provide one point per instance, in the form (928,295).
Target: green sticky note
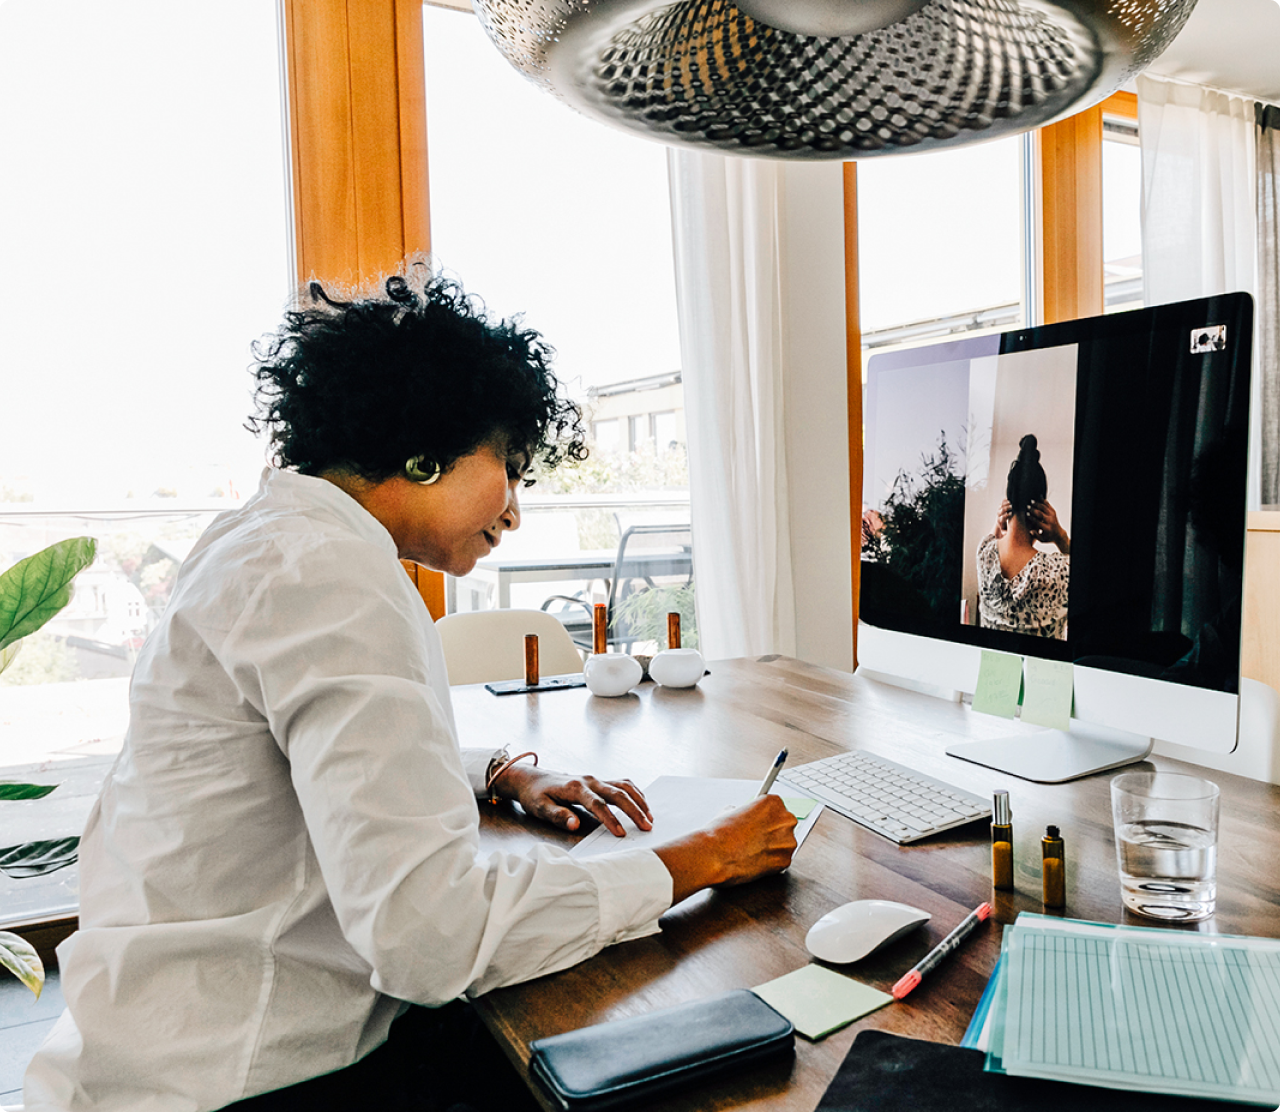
(801,808)
(1047,700)
(999,684)
(819,1000)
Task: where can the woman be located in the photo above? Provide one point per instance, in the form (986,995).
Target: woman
(286,852)
(1020,588)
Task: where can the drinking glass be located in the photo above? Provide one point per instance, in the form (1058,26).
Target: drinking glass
(1166,827)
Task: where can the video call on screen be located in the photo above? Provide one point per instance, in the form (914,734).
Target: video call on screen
(1140,425)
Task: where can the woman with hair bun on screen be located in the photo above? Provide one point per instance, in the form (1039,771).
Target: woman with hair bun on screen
(1020,588)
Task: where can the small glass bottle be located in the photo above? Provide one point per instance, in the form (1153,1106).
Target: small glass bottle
(1055,869)
(1001,841)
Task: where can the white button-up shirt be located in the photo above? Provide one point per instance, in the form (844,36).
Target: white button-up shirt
(287,847)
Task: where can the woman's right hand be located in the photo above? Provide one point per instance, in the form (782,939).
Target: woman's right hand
(1002,518)
(742,845)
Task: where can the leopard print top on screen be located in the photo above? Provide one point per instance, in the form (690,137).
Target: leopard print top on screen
(1034,601)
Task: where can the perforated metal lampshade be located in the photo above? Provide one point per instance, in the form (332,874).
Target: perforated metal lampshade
(822,79)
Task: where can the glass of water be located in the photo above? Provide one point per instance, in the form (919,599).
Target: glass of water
(1166,828)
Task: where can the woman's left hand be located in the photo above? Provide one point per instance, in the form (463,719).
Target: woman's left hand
(1045,526)
(551,796)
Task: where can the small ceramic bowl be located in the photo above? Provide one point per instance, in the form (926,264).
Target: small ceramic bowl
(612,674)
(677,667)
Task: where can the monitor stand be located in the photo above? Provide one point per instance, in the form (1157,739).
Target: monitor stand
(1055,756)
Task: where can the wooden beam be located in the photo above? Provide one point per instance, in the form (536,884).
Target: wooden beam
(358,130)
(853,379)
(1071,216)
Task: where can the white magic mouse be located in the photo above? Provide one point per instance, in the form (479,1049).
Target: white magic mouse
(854,930)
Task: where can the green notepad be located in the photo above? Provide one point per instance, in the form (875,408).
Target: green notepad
(819,1000)
(999,684)
(801,808)
(1047,694)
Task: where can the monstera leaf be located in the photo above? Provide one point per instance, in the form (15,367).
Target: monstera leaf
(18,955)
(35,589)
(38,858)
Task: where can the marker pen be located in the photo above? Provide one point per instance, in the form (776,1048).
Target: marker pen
(909,980)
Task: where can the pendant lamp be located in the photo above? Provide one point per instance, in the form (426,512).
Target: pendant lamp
(830,79)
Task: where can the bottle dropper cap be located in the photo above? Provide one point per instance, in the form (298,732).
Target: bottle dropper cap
(1001,812)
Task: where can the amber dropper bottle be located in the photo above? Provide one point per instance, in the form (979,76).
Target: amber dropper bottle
(1055,869)
(1001,841)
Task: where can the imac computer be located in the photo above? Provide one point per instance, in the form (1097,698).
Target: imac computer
(1075,492)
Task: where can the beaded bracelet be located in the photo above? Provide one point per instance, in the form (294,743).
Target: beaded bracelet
(492,778)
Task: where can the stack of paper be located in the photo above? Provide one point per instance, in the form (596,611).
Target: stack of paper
(1136,1008)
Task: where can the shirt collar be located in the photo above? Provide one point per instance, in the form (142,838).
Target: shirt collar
(307,491)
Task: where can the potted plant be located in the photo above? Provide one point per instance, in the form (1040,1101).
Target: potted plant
(32,592)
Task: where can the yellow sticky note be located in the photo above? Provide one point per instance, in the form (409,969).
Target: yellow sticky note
(1047,698)
(819,1000)
(999,684)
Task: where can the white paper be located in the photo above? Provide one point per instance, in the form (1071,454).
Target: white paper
(680,805)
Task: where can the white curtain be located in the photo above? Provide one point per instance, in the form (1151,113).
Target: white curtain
(1199,228)
(727,222)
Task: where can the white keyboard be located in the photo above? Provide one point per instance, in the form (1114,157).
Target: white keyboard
(897,802)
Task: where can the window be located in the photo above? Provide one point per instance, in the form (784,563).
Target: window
(1121,211)
(566,222)
(940,244)
(144,230)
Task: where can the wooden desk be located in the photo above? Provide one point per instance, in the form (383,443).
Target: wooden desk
(732,725)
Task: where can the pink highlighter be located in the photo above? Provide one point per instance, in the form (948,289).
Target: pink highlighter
(909,980)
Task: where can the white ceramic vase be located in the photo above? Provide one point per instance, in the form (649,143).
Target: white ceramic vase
(677,667)
(612,674)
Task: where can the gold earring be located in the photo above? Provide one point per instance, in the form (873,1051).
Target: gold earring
(415,471)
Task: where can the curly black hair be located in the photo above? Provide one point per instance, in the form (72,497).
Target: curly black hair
(366,384)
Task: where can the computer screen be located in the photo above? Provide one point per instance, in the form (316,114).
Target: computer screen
(1076,492)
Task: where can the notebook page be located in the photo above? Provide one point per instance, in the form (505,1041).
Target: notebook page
(1139,1008)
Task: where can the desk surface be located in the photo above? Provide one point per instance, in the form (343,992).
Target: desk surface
(733,724)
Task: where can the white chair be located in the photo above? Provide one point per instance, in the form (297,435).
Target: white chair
(484,646)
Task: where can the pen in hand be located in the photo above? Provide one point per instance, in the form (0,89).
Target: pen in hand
(778,762)
(912,978)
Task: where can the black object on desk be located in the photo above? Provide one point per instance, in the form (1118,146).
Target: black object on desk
(889,1073)
(547,683)
(634,1059)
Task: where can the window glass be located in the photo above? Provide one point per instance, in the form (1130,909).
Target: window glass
(544,213)
(144,230)
(940,244)
(1121,214)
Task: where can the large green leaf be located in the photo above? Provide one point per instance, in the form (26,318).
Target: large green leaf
(18,955)
(35,589)
(38,858)
(11,790)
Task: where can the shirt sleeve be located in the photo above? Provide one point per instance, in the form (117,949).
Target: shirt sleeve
(335,661)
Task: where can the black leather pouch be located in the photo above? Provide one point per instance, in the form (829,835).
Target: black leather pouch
(612,1064)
